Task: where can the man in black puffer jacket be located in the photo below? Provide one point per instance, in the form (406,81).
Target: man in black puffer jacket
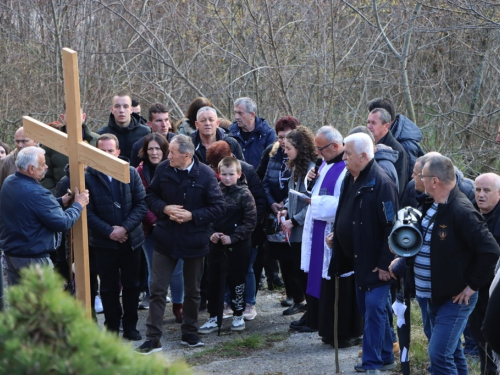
(115,214)
(124,124)
(186,198)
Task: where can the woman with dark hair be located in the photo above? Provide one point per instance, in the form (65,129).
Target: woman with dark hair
(275,173)
(4,150)
(155,150)
(187,126)
(301,152)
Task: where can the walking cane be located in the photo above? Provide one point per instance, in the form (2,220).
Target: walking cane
(336,324)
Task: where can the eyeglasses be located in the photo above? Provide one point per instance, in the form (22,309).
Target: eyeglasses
(422,176)
(322,148)
(22,140)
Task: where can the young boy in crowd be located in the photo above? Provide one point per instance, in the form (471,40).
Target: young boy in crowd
(231,239)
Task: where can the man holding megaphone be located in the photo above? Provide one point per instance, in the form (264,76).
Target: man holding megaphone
(458,256)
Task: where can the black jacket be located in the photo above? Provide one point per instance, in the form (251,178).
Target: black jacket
(240,217)
(102,210)
(250,178)
(463,251)
(126,136)
(264,162)
(374,210)
(198,193)
(220,135)
(135,160)
(491,326)
(401,163)
(276,190)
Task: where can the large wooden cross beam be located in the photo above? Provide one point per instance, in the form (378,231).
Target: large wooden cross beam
(80,154)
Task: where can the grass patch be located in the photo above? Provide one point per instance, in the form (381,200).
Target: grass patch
(239,346)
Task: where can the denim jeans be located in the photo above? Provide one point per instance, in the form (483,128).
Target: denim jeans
(448,321)
(177,279)
(423,303)
(377,338)
(14,266)
(250,286)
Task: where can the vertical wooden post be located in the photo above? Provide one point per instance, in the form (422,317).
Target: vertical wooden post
(77,176)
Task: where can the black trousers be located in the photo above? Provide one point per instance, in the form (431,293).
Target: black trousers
(236,264)
(295,279)
(117,266)
(476,318)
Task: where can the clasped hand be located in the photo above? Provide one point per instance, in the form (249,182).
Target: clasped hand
(216,237)
(177,213)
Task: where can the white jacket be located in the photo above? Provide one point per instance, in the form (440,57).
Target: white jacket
(323,208)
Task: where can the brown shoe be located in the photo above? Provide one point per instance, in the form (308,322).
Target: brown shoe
(177,310)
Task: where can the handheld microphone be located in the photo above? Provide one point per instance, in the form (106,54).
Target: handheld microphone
(311,183)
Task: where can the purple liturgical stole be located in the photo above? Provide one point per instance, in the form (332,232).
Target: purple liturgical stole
(318,236)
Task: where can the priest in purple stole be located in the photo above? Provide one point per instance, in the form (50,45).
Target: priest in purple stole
(316,255)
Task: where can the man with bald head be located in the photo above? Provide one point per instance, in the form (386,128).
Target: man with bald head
(487,198)
(8,165)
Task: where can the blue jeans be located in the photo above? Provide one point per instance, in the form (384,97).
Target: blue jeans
(177,279)
(448,321)
(250,287)
(423,303)
(377,338)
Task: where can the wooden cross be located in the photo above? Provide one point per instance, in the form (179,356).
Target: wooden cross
(79,153)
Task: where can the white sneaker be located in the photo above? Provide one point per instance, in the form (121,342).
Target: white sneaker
(238,323)
(209,327)
(227,312)
(168,299)
(98,305)
(250,312)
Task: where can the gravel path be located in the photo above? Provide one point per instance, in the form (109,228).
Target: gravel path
(300,353)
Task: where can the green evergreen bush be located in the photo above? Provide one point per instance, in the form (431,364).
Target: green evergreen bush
(45,331)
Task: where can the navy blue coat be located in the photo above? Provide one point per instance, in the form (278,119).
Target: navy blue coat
(198,193)
(31,218)
(262,136)
(102,211)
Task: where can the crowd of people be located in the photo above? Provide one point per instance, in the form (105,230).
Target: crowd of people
(209,209)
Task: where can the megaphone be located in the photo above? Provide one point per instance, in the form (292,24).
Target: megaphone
(406,239)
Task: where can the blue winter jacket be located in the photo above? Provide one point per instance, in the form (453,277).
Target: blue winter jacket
(262,136)
(31,219)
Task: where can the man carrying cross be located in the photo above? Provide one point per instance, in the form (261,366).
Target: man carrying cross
(31,219)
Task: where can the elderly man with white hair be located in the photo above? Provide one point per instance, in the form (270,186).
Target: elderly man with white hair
(365,215)
(31,219)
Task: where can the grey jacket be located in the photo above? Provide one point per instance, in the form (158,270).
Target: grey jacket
(297,206)
(385,158)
